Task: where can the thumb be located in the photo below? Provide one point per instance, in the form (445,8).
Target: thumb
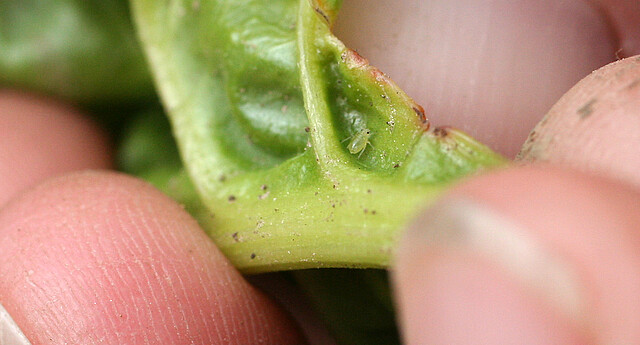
(500,261)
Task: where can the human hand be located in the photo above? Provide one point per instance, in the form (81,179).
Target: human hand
(53,322)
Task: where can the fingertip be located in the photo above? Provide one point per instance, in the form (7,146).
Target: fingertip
(98,256)
(595,127)
(40,137)
(535,255)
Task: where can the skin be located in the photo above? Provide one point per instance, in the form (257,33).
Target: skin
(560,138)
(459,290)
(43,138)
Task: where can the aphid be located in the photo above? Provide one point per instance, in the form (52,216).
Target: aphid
(359,142)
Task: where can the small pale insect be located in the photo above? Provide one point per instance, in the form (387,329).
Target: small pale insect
(359,142)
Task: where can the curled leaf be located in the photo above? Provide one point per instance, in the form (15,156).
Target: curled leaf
(304,153)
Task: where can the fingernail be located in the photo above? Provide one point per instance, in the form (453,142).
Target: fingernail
(466,275)
(10,333)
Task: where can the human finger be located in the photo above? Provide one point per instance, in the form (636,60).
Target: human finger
(40,138)
(98,257)
(531,255)
(595,126)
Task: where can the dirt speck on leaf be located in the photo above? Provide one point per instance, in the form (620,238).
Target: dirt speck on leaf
(419,110)
(441,132)
(322,14)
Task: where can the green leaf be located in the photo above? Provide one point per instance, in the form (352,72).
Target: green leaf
(304,154)
(85,51)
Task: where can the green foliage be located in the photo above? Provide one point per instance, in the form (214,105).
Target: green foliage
(262,100)
(84,51)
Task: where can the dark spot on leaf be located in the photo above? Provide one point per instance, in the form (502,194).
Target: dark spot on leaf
(369,191)
(419,110)
(373,212)
(586,109)
(441,132)
(222,178)
(232,198)
(396,166)
(322,14)
(253,256)
(264,187)
(307,129)
(366,211)
(235,237)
